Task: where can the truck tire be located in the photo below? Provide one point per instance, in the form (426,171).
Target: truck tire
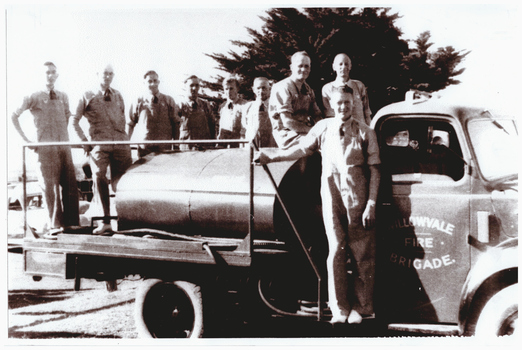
(169,310)
(499,316)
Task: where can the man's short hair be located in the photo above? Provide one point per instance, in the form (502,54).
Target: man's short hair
(104,68)
(190,78)
(49,63)
(150,72)
(345,55)
(260,79)
(297,54)
(232,78)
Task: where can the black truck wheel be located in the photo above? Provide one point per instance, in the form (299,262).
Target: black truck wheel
(499,316)
(169,310)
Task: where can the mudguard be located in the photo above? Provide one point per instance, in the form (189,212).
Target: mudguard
(499,262)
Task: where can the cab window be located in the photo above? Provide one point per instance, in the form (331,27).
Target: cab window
(420,150)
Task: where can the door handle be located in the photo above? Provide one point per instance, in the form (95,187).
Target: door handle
(483,226)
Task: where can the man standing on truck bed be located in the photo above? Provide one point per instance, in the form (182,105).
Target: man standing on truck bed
(293,110)
(255,115)
(349,150)
(50,110)
(342,65)
(153,117)
(105,112)
(230,111)
(196,117)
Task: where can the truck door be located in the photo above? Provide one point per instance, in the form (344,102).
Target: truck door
(422,239)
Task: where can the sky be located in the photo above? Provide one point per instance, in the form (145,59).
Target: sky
(173,40)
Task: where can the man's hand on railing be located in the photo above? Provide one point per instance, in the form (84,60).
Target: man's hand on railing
(87,149)
(33,148)
(260,158)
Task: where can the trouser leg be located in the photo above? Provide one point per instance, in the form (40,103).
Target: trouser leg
(334,216)
(361,242)
(362,246)
(71,215)
(99,164)
(121,160)
(48,174)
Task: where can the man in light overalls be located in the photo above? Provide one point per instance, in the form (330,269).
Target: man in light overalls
(349,149)
(50,110)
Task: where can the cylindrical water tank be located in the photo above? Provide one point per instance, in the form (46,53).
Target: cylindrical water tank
(207,193)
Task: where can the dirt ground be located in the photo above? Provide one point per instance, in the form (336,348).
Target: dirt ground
(51,308)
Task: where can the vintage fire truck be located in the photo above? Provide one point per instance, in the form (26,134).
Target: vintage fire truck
(213,235)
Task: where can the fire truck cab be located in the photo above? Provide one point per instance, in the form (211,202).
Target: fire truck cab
(448,221)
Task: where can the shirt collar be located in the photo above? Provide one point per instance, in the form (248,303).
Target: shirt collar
(264,103)
(111,91)
(350,125)
(233,102)
(298,85)
(190,100)
(339,82)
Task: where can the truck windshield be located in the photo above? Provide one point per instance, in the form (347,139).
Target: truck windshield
(495,142)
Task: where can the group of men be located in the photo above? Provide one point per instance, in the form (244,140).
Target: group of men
(282,116)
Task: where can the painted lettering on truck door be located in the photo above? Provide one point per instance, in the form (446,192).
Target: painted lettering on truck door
(423,233)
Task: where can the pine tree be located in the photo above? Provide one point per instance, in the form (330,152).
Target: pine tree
(432,71)
(380,58)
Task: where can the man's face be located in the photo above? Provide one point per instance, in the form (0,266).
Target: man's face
(261,89)
(50,74)
(231,91)
(301,67)
(192,86)
(342,104)
(106,76)
(152,83)
(342,66)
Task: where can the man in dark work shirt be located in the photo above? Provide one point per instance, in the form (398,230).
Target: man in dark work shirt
(153,117)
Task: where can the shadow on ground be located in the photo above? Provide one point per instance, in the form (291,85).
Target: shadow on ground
(23,298)
(55,335)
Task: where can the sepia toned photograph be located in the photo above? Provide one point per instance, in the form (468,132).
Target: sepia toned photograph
(258,174)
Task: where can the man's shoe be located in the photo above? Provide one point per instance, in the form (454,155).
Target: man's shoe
(103,230)
(354,317)
(339,319)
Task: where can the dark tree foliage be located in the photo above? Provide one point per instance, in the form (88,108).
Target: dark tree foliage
(432,71)
(380,59)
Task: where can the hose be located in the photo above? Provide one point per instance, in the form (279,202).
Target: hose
(267,303)
(142,231)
